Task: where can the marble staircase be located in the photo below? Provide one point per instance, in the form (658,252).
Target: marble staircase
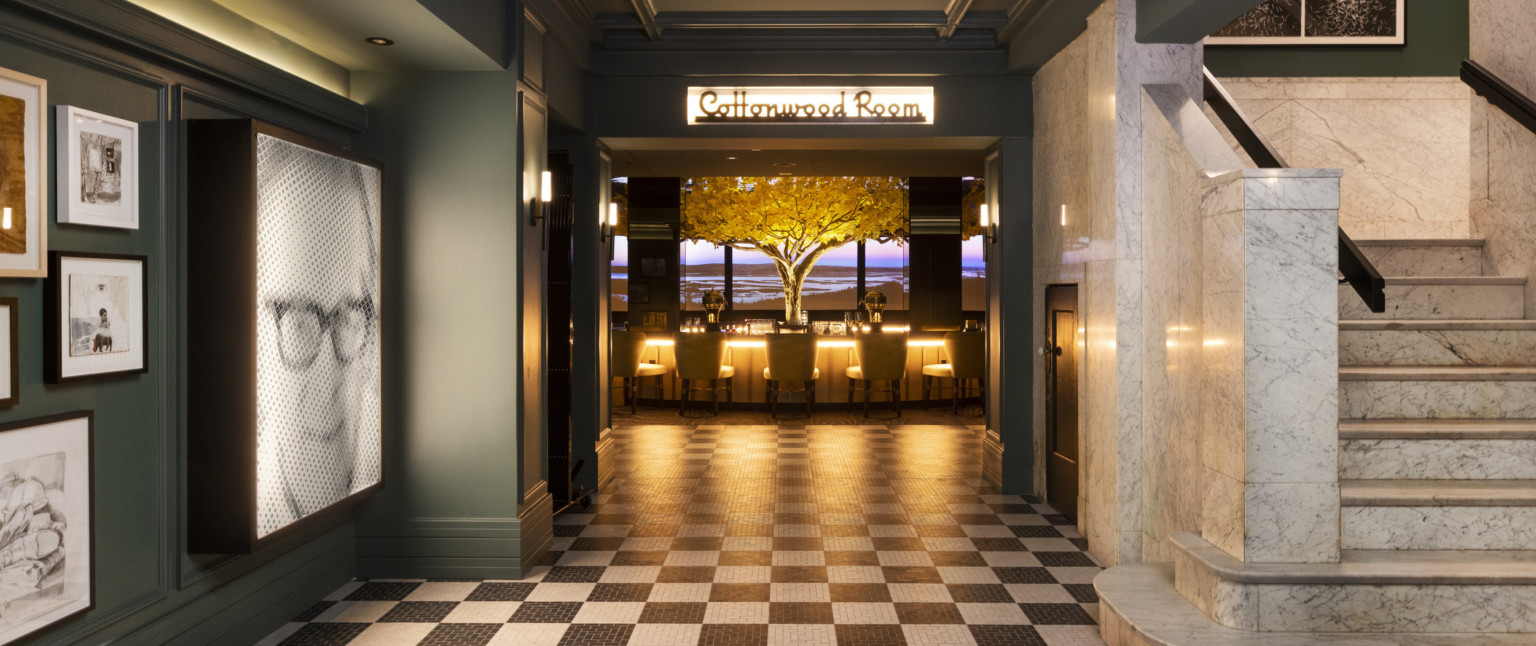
(1437,483)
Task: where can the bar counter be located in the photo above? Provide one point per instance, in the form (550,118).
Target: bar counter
(746,352)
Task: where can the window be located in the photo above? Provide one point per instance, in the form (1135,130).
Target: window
(833,283)
(973,274)
(885,269)
(618,276)
(703,269)
(755,283)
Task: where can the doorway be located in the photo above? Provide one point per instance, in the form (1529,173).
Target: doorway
(1062,450)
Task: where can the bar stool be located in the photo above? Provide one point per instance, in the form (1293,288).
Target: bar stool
(791,357)
(967,353)
(625,364)
(701,357)
(882,357)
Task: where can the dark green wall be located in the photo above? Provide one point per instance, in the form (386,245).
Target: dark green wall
(148,591)
(449,144)
(1435,44)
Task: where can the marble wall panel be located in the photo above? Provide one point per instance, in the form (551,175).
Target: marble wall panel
(1506,217)
(1291,522)
(1400,142)
(1501,40)
(1222,518)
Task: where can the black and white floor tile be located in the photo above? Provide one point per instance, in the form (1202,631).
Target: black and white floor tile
(740,535)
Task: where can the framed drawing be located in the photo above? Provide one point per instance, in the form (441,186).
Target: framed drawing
(23,175)
(46,537)
(653,267)
(95,316)
(10,363)
(98,169)
(640,294)
(1316,22)
(284,414)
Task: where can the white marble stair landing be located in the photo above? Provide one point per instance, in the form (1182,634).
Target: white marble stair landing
(1437,449)
(1437,392)
(1139,606)
(1437,342)
(1425,257)
(1442,297)
(1438,515)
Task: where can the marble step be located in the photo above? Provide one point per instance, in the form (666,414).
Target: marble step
(1438,429)
(1432,257)
(1140,605)
(1442,342)
(1421,459)
(1437,514)
(1437,392)
(1401,591)
(1442,297)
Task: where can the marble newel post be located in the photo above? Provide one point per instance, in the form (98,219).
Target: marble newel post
(1270,422)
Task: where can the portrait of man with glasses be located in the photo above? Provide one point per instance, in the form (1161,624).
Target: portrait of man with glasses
(318,362)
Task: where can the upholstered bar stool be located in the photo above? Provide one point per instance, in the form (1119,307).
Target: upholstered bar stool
(625,364)
(882,357)
(701,357)
(967,352)
(791,358)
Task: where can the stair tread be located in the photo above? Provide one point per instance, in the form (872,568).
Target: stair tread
(1437,493)
(1437,373)
(1437,429)
(1454,280)
(1375,567)
(1419,242)
(1437,324)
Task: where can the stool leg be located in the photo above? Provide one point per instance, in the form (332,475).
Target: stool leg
(714,395)
(927,381)
(730,394)
(682,397)
(773,396)
(631,388)
(849,407)
(956,393)
(896,395)
(810,396)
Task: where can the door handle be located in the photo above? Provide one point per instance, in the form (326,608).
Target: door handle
(1055,351)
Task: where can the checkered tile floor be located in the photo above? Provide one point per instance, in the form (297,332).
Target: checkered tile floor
(741,535)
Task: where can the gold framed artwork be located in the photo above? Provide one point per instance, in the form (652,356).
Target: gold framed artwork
(23,175)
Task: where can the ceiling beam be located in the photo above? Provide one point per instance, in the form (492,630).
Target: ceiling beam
(647,14)
(1037,29)
(1185,21)
(953,14)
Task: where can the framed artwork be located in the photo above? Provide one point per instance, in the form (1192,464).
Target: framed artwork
(1316,22)
(284,413)
(653,267)
(10,363)
(640,294)
(98,169)
(654,319)
(46,537)
(95,316)
(23,175)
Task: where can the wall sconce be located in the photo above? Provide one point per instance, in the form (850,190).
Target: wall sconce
(540,206)
(988,224)
(6,224)
(609,226)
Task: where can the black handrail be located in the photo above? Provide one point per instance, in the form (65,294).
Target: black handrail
(1499,93)
(1356,268)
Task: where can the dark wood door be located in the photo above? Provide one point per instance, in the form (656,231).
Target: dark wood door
(1062,450)
(557,324)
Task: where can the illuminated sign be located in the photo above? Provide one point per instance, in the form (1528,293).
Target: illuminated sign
(808,105)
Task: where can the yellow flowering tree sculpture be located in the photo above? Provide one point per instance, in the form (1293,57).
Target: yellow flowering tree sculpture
(794,220)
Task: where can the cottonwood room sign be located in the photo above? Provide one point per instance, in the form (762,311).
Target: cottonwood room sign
(810,105)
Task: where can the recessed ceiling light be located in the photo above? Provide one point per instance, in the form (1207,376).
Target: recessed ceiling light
(731,158)
(378,40)
(783,164)
(786,174)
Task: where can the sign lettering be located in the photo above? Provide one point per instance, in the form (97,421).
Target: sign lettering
(810,105)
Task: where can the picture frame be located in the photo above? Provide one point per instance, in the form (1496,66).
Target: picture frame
(47,464)
(98,169)
(653,267)
(23,175)
(640,294)
(654,319)
(10,360)
(96,316)
(1315,22)
(284,238)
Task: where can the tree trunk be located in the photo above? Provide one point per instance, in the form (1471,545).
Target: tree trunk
(794,281)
